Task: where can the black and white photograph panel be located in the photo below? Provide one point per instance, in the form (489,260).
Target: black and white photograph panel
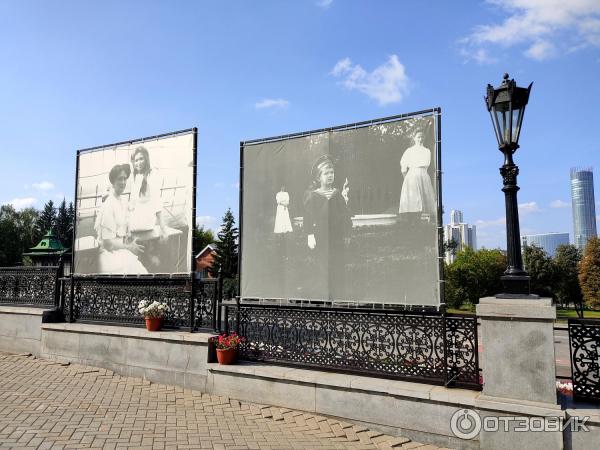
(134,208)
(343,215)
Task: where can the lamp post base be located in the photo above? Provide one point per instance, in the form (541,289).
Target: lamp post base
(516,286)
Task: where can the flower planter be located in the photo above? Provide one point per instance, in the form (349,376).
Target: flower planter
(153,323)
(226,356)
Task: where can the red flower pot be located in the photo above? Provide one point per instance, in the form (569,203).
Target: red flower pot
(153,323)
(226,356)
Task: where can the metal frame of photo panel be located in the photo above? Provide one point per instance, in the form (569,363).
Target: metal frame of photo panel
(193,131)
(437,117)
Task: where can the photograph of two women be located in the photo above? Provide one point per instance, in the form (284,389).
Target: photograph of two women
(134,208)
(343,215)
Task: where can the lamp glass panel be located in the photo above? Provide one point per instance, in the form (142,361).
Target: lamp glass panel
(517,121)
(502,120)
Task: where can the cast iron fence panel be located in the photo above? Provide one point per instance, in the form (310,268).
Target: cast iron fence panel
(584,343)
(206,297)
(29,285)
(383,343)
(115,300)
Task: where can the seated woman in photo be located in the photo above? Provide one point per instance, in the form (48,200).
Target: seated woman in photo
(118,253)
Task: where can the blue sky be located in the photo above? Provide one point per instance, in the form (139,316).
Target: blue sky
(79,74)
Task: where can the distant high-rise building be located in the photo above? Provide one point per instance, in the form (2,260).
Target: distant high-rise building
(584,208)
(456,217)
(546,241)
(463,234)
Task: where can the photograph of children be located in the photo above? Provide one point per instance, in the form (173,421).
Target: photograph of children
(343,215)
(134,208)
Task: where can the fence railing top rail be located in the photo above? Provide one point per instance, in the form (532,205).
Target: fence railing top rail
(28,268)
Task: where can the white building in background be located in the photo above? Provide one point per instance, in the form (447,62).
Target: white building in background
(462,233)
(546,241)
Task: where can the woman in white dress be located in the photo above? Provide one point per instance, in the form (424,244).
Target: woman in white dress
(282,216)
(146,205)
(417,194)
(118,253)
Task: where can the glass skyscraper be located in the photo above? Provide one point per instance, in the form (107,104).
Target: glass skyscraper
(584,208)
(546,241)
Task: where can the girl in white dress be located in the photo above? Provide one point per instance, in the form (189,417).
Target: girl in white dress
(118,253)
(146,205)
(417,191)
(282,216)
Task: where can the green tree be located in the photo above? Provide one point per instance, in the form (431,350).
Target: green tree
(11,248)
(17,233)
(450,246)
(589,273)
(47,220)
(64,225)
(27,222)
(202,238)
(226,258)
(566,262)
(541,270)
(473,275)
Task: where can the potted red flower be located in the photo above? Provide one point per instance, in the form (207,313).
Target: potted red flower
(227,345)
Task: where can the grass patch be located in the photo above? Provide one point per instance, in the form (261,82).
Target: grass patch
(563,313)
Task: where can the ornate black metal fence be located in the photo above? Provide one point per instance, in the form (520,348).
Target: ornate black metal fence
(29,285)
(584,343)
(428,347)
(115,300)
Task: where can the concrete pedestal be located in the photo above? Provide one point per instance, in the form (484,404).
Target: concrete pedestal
(518,368)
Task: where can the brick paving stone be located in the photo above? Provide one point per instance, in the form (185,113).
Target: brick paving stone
(51,405)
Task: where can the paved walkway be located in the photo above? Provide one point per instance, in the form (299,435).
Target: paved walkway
(45,404)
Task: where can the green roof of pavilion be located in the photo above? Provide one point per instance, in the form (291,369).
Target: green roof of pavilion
(49,244)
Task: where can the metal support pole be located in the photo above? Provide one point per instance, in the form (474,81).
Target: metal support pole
(57,287)
(515,280)
(237,315)
(192,303)
(71,298)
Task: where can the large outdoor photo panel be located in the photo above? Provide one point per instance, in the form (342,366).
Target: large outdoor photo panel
(346,214)
(134,207)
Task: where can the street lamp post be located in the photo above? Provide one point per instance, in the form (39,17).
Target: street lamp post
(506,105)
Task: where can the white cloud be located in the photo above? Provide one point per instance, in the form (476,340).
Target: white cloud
(43,186)
(479,55)
(272,103)
(541,50)
(559,204)
(324,3)
(543,28)
(529,207)
(23,202)
(482,224)
(208,222)
(387,83)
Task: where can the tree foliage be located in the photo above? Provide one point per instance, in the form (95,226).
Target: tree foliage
(541,270)
(226,258)
(64,223)
(202,238)
(566,287)
(46,220)
(589,273)
(473,275)
(17,233)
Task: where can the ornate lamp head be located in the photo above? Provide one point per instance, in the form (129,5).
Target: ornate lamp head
(506,105)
